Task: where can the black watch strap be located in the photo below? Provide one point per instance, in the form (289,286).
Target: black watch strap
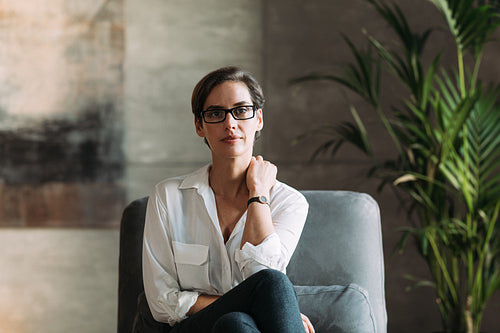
(261,199)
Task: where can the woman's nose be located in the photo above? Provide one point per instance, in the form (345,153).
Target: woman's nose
(230,122)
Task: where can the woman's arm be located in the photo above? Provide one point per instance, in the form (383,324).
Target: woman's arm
(260,178)
(271,232)
(202,302)
(168,303)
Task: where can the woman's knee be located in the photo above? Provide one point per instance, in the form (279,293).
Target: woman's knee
(235,322)
(275,278)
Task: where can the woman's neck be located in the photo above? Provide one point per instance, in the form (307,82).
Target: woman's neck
(228,177)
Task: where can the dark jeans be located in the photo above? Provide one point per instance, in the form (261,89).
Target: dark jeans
(265,302)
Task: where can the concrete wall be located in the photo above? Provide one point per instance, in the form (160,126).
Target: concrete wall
(170,45)
(58,280)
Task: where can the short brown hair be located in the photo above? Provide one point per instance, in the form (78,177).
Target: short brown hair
(221,75)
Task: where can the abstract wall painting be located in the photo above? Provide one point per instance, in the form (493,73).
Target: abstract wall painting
(61,113)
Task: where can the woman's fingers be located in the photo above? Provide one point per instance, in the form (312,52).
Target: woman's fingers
(308,327)
(261,176)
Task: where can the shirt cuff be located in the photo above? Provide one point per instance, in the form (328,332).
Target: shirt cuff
(180,302)
(253,258)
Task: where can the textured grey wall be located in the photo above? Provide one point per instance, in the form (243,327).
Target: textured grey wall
(172,44)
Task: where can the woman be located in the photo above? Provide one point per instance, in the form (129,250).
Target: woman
(217,241)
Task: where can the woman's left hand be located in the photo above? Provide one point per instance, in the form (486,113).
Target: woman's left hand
(261,177)
(307,324)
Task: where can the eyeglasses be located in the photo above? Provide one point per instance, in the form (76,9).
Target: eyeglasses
(243,112)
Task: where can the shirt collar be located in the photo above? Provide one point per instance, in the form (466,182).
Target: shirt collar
(197,179)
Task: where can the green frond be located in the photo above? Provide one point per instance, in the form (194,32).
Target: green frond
(418,283)
(470,23)
(362,76)
(413,43)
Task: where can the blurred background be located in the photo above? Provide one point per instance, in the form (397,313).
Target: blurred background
(95,109)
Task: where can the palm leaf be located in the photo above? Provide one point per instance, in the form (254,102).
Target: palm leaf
(345,132)
(412,42)
(483,128)
(470,24)
(406,63)
(361,77)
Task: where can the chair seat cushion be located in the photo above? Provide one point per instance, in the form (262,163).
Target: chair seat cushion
(339,309)
(331,309)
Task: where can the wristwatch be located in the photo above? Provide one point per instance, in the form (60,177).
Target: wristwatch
(262,199)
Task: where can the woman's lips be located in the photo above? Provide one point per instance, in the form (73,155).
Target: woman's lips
(231,139)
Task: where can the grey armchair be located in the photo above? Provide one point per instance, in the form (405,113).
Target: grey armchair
(337,268)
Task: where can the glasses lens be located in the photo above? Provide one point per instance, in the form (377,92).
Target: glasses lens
(214,116)
(243,112)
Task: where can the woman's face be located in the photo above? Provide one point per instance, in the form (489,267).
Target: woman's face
(230,138)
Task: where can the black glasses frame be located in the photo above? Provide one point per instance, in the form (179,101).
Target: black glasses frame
(226,111)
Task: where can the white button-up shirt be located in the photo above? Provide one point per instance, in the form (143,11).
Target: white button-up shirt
(184,254)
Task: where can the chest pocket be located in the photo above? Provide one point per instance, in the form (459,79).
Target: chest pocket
(192,265)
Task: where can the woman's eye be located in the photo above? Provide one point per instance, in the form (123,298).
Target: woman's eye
(215,114)
(241,110)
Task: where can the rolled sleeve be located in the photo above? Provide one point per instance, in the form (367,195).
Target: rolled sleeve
(289,210)
(253,258)
(166,301)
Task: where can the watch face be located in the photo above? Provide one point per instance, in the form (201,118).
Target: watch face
(263,199)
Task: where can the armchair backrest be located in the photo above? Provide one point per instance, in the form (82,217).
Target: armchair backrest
(130,263)
(341,244)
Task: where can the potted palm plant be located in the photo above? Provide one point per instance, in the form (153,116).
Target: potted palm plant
(446,133)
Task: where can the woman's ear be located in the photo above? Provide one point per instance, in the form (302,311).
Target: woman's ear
(260,118)
(199,127)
